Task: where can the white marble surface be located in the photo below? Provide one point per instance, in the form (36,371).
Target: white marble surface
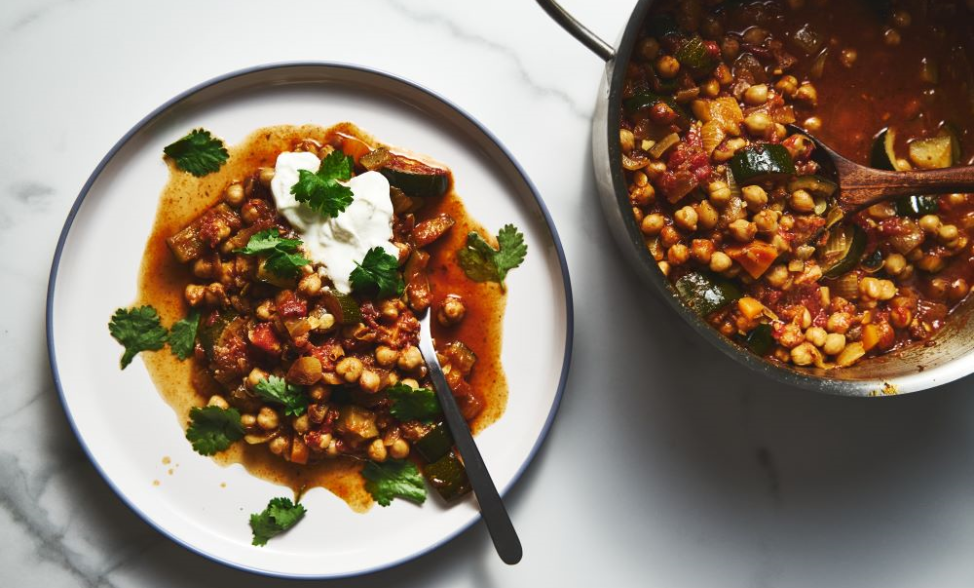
(657,472)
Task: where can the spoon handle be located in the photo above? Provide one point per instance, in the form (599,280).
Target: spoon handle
(495,516)
(863,187)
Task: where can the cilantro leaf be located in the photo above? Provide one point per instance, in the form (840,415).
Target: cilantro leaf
(286,265)
(410,404)
(281,257)
(394,479)
(320,190)
(266,241)
(137,329)
(378,271)
(198,153)
(279,516)
(277,390)
(482,263)
(182,336)
(213,429)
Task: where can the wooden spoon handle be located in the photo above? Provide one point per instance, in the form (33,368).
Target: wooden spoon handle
(862,186)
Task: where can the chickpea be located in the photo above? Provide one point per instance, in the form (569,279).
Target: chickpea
(720,262)
(411,382)
(802,201)
(451,311)
(194,294)
(755,196)
(256,376)
(399,449)
(310,285)
(655,169)
(958,290)
(813,124)
(777,276)
(369,381)
(947,233)
(248,421)
(702,250)
(332,450)
(626,140)
(930,223)
(203,268)
(955,200)
(807,93)
(266,176)
(278,444)
(686,218)
(678,254)
(742,230)
(250,213)
(652,224)
(349,368)
(667,67)
(900,317)
(218,401)
(756,95)
(758,123)
(234,196)
(787,85)
(723,74)
(319,393)
(710,88)
(267,418)
(839,322)
(649,49)
(931,263)
(894,264)
(848,57)
(410,359)
(902,19)
(887,290)
(791,336)
(669,236)
(804,354)
(664,267)
(386,356)
(816,336)
(766,221)
(891,37)
(834,343)
(377,451)
(707,216)
(301,424)
(870,288)
(719,193)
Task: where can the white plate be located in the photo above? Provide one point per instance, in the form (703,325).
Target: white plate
(127,428)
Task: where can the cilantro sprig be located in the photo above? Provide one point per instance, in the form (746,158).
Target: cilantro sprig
(278,391)
(280,515)
(378,272)
(409,404)
(482,263)
(182,336)
(281,254)
(198,153)
(137,329)
(213,429)
(394,479)
(320,190)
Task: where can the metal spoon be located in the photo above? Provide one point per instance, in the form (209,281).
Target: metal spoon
(492,509)
(860,186)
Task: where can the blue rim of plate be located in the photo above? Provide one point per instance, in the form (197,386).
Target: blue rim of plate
(569,304)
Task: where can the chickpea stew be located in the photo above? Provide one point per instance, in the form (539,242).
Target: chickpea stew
(306,372)
(735,208)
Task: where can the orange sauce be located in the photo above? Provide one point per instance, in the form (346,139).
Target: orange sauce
(184,384)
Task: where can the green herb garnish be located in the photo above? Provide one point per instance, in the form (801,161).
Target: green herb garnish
(213,429)
(320,190)
(137,329)
(277,390)
(482,263)
(281,256)
(379,271)
(410,404)
(182,336)
(394,479)
(198,153)
(280,515)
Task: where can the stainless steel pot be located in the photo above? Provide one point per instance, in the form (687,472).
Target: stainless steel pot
(916,368)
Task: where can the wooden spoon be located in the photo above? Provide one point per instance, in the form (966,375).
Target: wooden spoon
(860,186)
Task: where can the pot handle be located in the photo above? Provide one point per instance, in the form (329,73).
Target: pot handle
(578,30)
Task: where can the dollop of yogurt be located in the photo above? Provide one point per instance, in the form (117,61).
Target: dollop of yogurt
(337,243)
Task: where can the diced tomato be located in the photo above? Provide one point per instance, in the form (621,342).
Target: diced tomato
(290,306)
(263,337)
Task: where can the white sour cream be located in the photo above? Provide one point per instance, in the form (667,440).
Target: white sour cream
(341,242)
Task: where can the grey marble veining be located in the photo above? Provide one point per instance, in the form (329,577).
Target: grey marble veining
(669,465)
